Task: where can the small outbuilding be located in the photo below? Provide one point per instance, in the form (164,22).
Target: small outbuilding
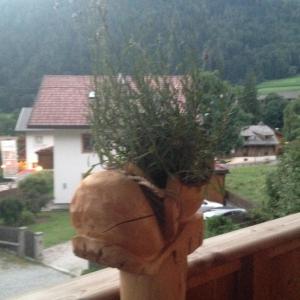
(258,140)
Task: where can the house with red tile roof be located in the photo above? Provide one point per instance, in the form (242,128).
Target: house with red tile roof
(59,119)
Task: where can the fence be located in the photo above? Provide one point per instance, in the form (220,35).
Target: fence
(255,263)
(24,242)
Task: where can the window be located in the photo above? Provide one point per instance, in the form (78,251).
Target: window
(92,95)
(87,142)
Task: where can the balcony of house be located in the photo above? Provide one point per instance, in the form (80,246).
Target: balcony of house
(260,262)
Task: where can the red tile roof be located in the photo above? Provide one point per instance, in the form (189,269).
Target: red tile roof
(62,101)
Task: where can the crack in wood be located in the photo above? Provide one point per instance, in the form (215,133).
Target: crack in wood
(128,221)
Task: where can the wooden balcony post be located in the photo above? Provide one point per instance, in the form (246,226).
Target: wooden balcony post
(169,283)
(261,276)
(118,226)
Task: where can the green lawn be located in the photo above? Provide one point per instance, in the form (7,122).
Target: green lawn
(56,227)
(281,85)
(249,182)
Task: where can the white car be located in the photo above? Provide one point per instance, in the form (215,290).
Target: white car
(226,212)
(209,205)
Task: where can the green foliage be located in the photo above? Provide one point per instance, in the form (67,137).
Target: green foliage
(291,127)
(231,36)
(219,225)
(283,184)
(165,125)
(48,32)
(27,218)
(11,211)
(231,138)
(248,101)
(36,190)
(274,189)
(228,36)
(163,129)
(259,215)
(273,108)
(7,123)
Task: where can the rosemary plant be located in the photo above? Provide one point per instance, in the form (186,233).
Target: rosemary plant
(167,126)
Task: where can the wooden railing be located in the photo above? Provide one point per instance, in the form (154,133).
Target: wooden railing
(260,262)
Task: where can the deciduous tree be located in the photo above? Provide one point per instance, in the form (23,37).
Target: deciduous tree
(283,184)
(272,111)
(291,127)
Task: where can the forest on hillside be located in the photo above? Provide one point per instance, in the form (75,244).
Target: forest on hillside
(235,37)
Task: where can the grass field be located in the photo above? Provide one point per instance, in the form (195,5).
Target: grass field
(56,227)
(281,85)
(249,182)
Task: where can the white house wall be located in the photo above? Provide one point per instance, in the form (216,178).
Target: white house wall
(70,163)
(36,141)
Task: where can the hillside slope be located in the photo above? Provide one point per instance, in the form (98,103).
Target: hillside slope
(233,36)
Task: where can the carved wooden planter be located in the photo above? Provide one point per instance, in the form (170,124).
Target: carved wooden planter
(123,221)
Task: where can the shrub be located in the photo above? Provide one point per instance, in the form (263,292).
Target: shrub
(259,215)
(11,211)
(283,184)
(219,225)
(36,190)
(272,186)
(27,218)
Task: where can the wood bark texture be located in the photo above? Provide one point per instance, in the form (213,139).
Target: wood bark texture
(117,226)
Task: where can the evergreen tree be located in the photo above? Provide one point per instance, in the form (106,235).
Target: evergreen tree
(228,36)
(249,102)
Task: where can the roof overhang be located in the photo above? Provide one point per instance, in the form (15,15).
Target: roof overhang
(44,126)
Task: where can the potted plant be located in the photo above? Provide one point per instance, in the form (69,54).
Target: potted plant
(158,137)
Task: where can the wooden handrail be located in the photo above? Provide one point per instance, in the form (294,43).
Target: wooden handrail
(245,253)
